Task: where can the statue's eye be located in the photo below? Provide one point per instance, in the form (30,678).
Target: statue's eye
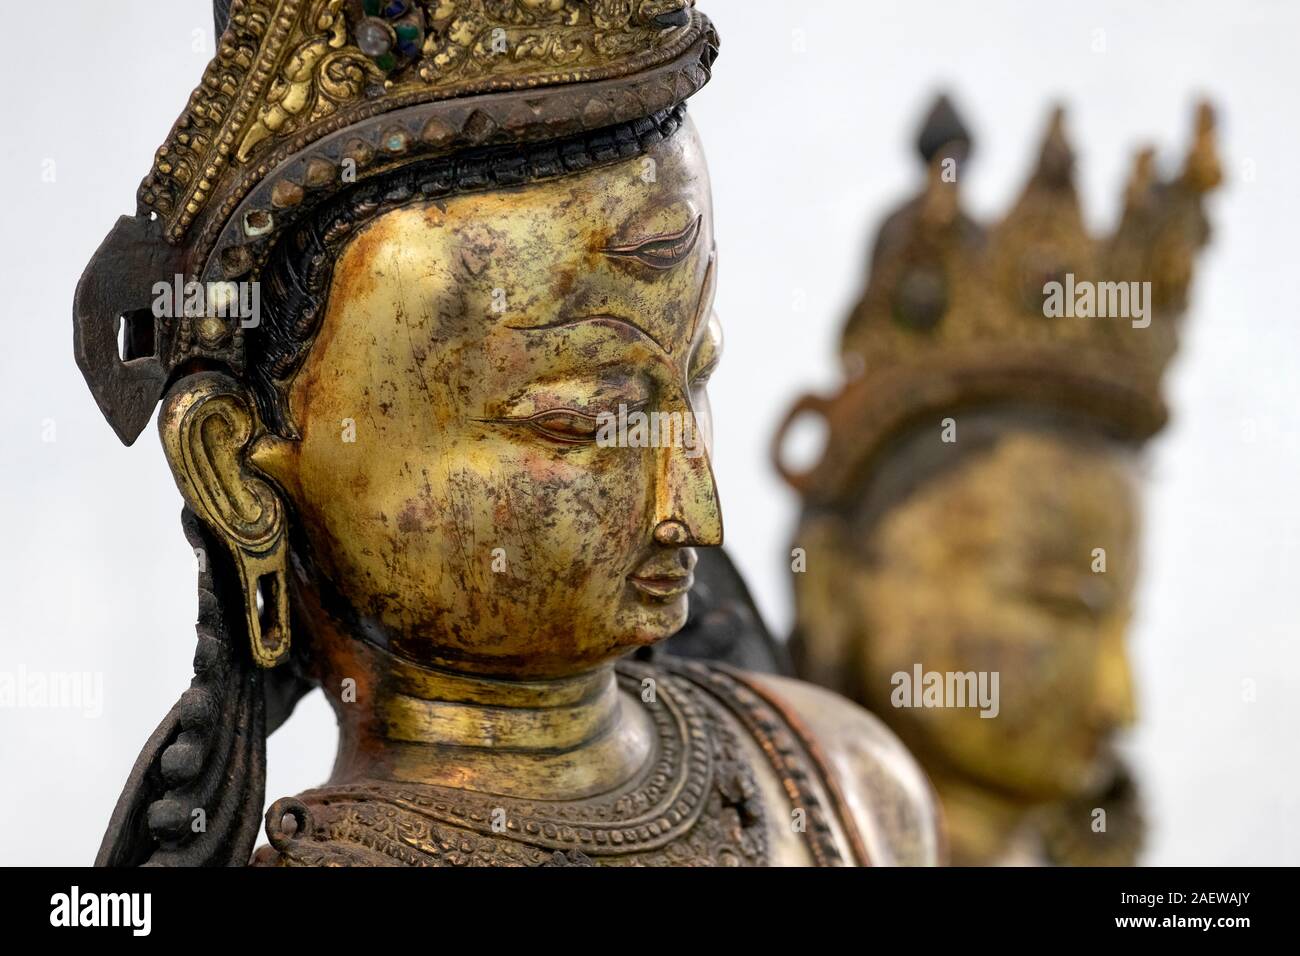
(565,425)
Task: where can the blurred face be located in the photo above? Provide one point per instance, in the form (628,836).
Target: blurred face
(994,566)
(452,478)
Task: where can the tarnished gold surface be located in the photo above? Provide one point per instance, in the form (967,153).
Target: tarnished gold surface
(468,563)
(479,226)
(475,428)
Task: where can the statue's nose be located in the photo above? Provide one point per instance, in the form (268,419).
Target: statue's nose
(672,532)
(1115,700)
(687,512)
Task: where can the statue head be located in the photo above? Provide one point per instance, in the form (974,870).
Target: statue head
(433,434)
(454,293)
(400,276)
(1010,553)
(970,530)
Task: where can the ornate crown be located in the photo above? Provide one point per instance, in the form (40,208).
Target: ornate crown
(306,97)
(1029,311)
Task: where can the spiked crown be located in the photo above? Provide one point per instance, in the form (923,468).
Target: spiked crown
(958,315)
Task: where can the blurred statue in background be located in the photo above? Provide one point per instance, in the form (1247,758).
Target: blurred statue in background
(969,536)
(434,247)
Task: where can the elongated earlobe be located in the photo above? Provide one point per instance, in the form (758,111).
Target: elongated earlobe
(208,424)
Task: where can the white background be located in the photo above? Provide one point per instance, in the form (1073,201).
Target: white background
(809,125)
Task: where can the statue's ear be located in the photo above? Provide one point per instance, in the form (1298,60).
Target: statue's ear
(208,424)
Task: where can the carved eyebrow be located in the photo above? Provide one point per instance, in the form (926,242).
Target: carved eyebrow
(612,319)
(662,251)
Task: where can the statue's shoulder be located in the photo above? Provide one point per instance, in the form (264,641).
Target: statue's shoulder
(860,781)
(884,789)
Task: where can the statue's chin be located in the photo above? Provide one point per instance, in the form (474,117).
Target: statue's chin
(658,621)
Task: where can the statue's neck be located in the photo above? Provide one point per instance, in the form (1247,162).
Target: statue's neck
(566,738)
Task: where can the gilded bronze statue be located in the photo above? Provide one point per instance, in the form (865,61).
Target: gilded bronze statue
(972,523)
(469,231)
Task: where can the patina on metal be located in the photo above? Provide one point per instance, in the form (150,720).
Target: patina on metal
(975,510)
(477,227)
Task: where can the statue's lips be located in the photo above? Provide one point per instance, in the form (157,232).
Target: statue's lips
(662,586)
